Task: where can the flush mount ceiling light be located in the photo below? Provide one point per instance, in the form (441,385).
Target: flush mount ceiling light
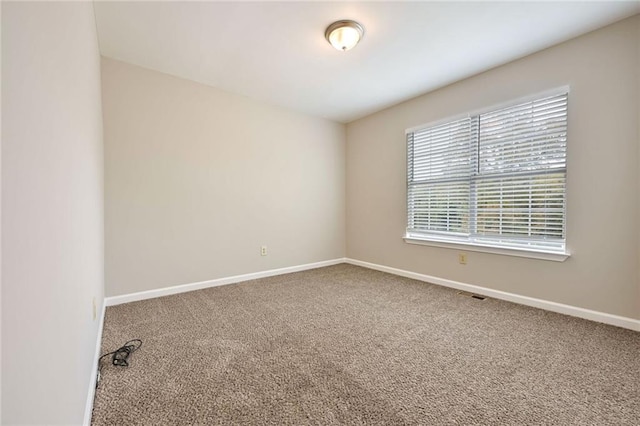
(344,35)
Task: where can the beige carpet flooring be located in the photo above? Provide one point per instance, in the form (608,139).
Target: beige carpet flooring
(348,345)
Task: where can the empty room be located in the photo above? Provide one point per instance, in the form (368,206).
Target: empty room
(320,213)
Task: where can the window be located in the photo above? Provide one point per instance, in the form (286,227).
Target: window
(495,179)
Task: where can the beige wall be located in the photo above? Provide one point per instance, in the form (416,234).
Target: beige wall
(197,179)
(52,210)
(602,188)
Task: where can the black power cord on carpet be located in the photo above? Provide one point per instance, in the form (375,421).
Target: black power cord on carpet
(120,356)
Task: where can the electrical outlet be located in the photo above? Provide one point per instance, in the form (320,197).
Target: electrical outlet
(462,258)
(95,309)
(263,251)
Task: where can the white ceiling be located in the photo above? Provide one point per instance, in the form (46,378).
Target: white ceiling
(276,51)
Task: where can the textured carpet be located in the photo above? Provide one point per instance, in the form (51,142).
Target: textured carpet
(348,345)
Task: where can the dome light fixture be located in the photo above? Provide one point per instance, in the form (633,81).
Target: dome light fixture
(344,35)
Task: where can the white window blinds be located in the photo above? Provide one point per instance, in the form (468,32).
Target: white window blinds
(495,179)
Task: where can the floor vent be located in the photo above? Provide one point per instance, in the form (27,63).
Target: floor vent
(475,296)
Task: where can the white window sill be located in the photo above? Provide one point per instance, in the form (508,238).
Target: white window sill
(532,254)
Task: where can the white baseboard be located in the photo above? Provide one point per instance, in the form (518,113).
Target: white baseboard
(624,322)
(619,321)
(166,291)
(94,371)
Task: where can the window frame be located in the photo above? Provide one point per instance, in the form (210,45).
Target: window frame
(446,241)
